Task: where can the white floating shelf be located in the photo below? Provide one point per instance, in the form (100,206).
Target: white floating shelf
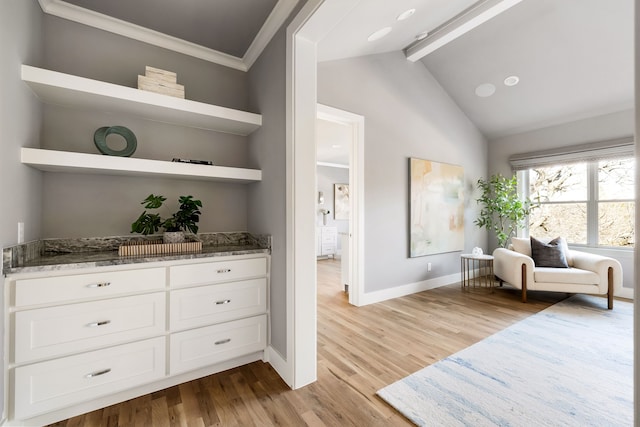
(64,89)
(64,161)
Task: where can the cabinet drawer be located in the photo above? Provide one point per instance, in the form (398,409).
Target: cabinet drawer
(201,306)
(53,331)
(213,344)
(328,248)
(328,238)
(54,384)
(49,290)
(211,272)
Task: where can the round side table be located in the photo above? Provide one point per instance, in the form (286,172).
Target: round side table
(476,270)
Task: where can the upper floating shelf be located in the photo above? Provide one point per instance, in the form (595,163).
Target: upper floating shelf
(65,89)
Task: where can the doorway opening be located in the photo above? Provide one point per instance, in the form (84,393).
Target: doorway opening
(340,191)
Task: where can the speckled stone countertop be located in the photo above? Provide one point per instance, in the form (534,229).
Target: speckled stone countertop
(64,254)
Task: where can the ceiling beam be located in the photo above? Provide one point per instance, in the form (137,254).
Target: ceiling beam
(460,24)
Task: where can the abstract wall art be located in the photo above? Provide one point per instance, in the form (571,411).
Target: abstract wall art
(436,207)
(341,201)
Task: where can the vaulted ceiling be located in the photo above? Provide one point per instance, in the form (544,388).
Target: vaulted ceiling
(573,58)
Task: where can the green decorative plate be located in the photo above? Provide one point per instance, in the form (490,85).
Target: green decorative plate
(100,139)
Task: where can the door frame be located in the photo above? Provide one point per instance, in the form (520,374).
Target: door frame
(307,28)
(356,196)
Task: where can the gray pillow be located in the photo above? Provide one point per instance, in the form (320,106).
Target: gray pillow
(548,254)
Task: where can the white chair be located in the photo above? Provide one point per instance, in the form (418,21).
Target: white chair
(587,273)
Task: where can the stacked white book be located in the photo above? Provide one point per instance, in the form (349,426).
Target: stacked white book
(160,81)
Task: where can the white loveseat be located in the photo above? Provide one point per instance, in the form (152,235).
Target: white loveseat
(587,273)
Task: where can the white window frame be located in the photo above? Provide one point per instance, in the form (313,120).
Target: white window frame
(593,201)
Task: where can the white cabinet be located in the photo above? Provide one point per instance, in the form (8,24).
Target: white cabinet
(327,241)
(204,305)
(105,284)
(200,347)
(56,383)
(64,329)
(78,342)
(219,271)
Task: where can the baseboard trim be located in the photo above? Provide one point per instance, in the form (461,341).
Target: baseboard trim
(280,364)
(408,289)
(625,293)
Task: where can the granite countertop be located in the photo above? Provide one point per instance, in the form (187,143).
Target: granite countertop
(63,254)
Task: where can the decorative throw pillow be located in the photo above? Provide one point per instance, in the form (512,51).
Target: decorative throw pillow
(548,254)
(565,248)
(521,245)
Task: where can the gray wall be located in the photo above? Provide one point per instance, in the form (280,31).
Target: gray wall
(267,199)
(20,116)
(407,114)
(593,129)
(75,205)
(89,52)
(327,177)
(599,128)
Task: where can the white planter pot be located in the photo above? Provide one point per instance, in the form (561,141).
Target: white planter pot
(173,237)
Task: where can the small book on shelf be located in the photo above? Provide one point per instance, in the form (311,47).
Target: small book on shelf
(193,162)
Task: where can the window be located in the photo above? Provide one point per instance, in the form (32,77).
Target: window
(589,203)
(616,205)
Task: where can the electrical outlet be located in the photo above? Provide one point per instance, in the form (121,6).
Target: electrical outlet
(429,267)
(20,232)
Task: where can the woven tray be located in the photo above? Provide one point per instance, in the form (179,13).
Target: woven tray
(156,247)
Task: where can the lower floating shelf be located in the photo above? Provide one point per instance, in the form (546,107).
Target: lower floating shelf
(65,161)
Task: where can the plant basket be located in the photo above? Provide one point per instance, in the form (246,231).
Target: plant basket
(157,247)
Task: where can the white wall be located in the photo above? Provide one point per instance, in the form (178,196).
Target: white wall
(600,128)
(20,116)
(407,114)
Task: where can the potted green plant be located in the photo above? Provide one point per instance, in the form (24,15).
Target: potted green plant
(503,210)
(186,218)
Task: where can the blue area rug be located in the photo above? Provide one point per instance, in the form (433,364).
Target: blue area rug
(568,365)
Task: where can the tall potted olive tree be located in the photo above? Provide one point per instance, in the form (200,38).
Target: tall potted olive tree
(503,211)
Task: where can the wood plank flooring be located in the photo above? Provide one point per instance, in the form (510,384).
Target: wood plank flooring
(360,350)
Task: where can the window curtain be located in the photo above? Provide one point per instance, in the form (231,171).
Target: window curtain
(602,150)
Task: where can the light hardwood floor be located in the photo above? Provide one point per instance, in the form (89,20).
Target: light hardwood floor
(360,350)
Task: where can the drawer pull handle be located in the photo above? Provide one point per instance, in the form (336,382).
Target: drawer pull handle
(99,285)
(98,373)
(224,270)
(227,301)
(100,323)
(223,341)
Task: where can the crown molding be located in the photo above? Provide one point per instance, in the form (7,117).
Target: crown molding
(84,16)
(272,24)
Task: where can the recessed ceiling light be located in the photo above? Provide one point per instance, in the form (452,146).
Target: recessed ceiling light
(336,146)
(379,34)
(511,80)
(486,89)
(423,35)
(406,14)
